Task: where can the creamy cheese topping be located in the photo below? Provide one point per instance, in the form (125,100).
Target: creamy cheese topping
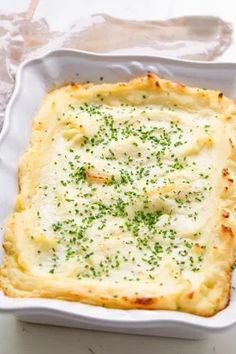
(127,199)
(126,193)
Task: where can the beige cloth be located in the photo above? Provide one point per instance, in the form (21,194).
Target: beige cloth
(196,38)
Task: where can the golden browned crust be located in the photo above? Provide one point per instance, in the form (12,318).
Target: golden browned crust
(18,277)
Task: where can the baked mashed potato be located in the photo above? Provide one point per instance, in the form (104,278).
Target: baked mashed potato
(127,199)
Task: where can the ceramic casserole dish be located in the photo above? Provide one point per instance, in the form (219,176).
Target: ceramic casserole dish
(34,79)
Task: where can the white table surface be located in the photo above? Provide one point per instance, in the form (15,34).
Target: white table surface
(23,338)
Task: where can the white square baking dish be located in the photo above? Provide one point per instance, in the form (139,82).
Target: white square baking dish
(34,78)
